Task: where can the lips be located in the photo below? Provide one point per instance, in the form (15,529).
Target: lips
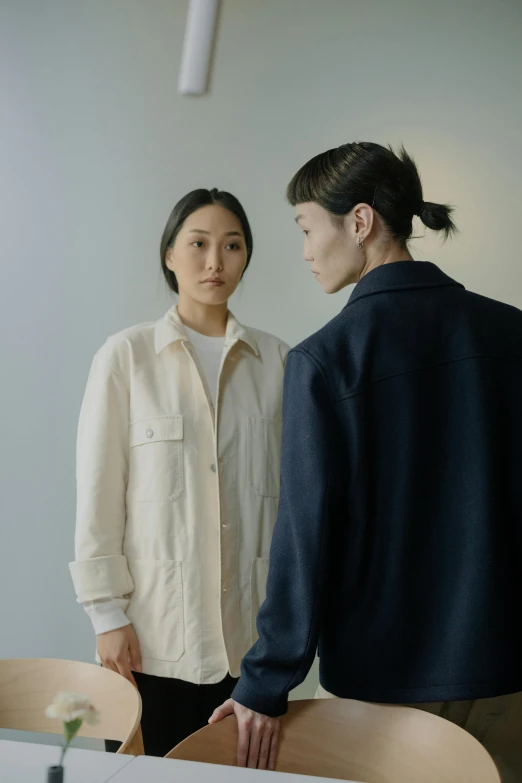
(213,281)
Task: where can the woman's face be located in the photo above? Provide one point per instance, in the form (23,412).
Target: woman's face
(332,251)
(209,255)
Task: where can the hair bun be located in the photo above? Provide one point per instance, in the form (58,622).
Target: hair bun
(438,217)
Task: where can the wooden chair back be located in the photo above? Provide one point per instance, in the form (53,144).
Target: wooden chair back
(351,740)
(29,685)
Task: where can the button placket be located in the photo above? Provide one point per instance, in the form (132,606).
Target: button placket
(220,460)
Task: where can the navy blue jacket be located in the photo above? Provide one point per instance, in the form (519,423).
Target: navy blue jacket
(398,544)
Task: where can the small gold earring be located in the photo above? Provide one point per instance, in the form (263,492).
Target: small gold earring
(360,243)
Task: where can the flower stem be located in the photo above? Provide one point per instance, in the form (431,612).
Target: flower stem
(70,730)
(64,751)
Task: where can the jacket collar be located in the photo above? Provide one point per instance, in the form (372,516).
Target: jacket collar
(170,329)
(400,276)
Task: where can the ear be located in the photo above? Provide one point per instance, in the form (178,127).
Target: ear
(363,220)
(169,260)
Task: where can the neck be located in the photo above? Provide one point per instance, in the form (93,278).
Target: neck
(394,254)
(209,320)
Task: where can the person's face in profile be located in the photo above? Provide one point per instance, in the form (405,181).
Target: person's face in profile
(330,247)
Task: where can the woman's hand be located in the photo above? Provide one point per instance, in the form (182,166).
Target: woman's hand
(119,650)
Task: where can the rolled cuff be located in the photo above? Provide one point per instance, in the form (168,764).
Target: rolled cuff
(107,615)
(101,578)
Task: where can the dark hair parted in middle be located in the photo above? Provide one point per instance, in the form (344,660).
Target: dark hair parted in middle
(369,173)
(190,203)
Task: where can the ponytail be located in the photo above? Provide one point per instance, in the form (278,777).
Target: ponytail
(438,217)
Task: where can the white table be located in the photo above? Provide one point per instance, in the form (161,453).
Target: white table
(154,770)
(26,762)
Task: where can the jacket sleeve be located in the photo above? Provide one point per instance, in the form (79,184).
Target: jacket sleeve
(107,615)
(100,569)
(289,620)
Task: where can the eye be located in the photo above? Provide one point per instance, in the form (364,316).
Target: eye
(233,246)
(198,244)
(305,232)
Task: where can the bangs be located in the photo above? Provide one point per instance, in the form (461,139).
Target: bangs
(311,181)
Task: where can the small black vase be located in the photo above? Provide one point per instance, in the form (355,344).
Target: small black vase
(55,774)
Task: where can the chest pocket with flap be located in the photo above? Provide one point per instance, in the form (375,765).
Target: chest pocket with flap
(156,459)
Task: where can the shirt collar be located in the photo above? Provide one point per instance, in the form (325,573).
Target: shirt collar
(170,329)
(400,276)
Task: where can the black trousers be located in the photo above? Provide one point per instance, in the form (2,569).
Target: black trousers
(174,709)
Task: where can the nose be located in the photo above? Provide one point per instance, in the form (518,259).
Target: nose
(307,252)
(214,260)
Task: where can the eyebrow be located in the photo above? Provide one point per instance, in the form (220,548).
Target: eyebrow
(207,233)
(298,218)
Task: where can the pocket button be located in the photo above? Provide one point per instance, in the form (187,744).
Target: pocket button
(149,433)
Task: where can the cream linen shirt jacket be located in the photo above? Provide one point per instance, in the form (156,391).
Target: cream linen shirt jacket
(177,503)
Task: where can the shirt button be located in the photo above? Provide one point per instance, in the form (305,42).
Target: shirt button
(224,526)
(149,433)
(225,589)
(213,468)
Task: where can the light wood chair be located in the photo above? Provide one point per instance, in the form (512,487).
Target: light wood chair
(29,685)
(351,740)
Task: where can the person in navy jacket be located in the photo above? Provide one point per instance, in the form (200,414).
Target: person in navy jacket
(396,553)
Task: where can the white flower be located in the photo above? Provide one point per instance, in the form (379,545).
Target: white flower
(72,706)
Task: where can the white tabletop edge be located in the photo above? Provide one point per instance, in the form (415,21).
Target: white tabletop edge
(160,770)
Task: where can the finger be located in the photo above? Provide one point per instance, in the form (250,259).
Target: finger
(256,735)
(243,742)
(108,664)
(135,655)
(125,671)
(264,749)
(222,712)
(274,747)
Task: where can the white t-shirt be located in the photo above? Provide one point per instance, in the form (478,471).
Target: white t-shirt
(108,615)
(210,353)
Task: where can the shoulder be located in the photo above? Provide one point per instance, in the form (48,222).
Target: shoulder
(499,324)
(493,306)
(269,344)
(115,354)
(321,345)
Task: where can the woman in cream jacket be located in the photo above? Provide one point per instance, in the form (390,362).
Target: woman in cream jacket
(178,480)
